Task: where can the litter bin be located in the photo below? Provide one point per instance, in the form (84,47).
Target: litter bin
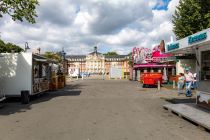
(54,83)
(61,81)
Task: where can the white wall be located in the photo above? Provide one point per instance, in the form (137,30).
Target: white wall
(15,73)
(189,62)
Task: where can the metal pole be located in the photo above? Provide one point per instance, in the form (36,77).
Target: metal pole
(158,85)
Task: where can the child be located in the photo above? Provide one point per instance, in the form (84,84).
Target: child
(181,81)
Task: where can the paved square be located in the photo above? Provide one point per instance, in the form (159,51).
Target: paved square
(96,110)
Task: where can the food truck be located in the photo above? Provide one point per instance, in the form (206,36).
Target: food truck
(23,75)
(197,44)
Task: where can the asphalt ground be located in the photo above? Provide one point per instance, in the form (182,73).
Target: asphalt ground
(97,110)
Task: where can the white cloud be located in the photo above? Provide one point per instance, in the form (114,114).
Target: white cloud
(78,25)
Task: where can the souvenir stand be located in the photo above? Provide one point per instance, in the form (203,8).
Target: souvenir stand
(199,45)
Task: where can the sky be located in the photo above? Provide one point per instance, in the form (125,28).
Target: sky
(78,25)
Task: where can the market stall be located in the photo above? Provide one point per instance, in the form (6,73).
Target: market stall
(152,61)
(199,45)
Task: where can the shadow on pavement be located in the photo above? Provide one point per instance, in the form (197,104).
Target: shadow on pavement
(180,101)
(13,105)
(74,86)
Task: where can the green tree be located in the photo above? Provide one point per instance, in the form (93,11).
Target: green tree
(111,54)
(19,9)
(190,17)
(53,56)
(9,47)
(130,62)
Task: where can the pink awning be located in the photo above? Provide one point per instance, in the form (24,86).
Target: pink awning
(149,65)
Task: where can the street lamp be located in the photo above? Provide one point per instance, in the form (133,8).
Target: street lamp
(63,55)
(26,47)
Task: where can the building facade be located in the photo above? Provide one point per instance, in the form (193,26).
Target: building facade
(97,63)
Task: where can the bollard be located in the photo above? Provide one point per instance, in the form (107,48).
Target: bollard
(174,84)
(158,85)
(82,77)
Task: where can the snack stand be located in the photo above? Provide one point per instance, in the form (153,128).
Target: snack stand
(199,45)
(152,65)
(24,75)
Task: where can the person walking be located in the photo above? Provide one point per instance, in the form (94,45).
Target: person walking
(103,75)
(189,81)
(180,83)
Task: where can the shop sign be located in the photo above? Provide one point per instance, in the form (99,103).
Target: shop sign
(197,38)
(173,46)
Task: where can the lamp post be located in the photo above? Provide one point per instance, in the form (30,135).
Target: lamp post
(26,47)
(63,55)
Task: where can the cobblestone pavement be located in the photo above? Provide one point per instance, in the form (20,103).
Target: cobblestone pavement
(97,110)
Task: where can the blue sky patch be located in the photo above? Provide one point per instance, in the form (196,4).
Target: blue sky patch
(162,5)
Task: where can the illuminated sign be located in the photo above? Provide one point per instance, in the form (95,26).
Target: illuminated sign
(197,38)
(173,46)
(142,55)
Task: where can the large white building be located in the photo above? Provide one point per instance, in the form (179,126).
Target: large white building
(96,62)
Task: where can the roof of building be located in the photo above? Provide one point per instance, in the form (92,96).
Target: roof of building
(76,56)
(95,53)
(116,56)
(106,56)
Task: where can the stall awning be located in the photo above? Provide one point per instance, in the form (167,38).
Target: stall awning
(153,65)
(189,44)
(40,60)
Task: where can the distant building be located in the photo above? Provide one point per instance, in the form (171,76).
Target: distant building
(95,62)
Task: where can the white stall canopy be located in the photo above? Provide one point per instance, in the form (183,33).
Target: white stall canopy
(188,45)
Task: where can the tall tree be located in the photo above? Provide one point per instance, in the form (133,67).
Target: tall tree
(190,17)
(111,54)
(19,9)
(53,56)
(130,62)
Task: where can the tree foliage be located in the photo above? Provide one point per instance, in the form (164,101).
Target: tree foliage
(53,56)
(110,54)
(190,17)
(130,62)
(19,9)
(9,47)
